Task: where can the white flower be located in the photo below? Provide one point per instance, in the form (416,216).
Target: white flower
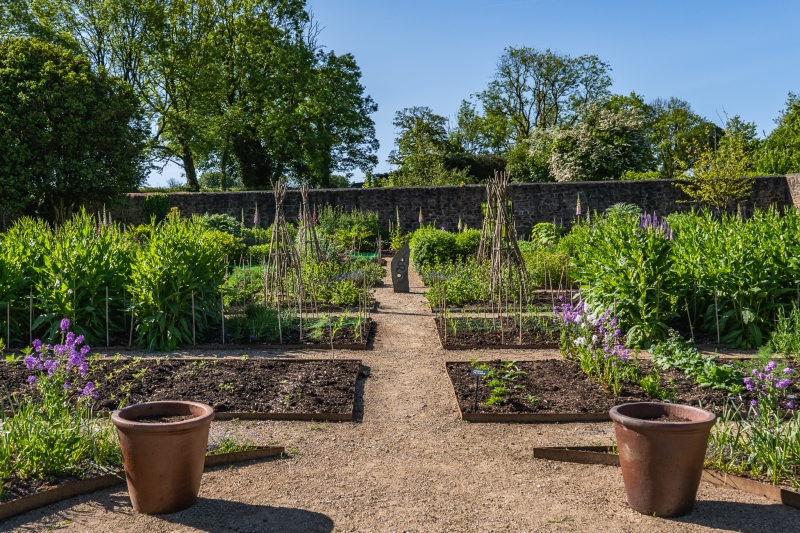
(57,283)
(578,319)
(592,317)
(580,341)
(594,339)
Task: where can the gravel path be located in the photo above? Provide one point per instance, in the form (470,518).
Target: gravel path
(409,464)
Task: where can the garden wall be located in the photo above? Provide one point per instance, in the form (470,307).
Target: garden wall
(533,202)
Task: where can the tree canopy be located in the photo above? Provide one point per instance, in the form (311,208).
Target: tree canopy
(69,137)
(239,88)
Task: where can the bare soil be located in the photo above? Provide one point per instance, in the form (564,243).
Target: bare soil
(408,464)
(562,387)
(495,333)
(228,385)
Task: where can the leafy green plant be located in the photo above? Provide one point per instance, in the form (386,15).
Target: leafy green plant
(677,353)
(85,258)
(785,338)
(181,258)
(156,206)
(499,381)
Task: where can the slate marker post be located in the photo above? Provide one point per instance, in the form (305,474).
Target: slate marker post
(478,375)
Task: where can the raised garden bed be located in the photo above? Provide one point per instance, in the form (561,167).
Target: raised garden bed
(605,455)
(562,393)
(465,333)
(266,389)
(27,497)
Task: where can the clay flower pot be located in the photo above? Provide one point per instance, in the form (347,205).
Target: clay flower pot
(661,460)
(163,460)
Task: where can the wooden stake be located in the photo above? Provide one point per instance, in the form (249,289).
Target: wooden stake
(716,313)
(108,342)
(194,338)
(691,330)
(30,320)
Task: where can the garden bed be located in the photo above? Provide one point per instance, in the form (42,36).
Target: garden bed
(605,455)
(24,497)
(562,393)
(247,389)
(466,333)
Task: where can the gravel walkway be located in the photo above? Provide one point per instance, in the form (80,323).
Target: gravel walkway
(409,464)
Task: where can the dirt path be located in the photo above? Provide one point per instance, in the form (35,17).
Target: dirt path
(409,464)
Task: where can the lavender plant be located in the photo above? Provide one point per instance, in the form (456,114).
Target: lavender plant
(53,430)
(766,443)
(595,342)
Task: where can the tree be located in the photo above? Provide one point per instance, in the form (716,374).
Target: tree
(421,146)
(480,133)
(723,175)
(541,90)
(69,137)
(780,152)
(238,87)
(675,132)
(605,144)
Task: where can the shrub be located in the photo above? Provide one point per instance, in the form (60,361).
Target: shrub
(430,246)
(84,259)
(467,242)
(225,223)
(156,205)
(339,224)
(182,257)
(786,337)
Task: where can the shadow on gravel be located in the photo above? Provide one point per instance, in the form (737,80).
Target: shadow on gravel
(743,517)
(358,401)
(222,515)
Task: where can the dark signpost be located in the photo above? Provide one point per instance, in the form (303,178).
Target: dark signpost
(478,375)
(400,269)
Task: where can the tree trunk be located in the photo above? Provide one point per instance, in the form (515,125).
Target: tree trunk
(188,168)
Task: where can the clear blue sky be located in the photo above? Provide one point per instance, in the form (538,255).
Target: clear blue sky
(742,57)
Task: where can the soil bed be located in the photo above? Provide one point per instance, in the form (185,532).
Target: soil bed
(562,387)
(479,333)
(242,386)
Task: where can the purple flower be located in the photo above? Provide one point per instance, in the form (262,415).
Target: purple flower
(784,383)
(30,362)
(753,403)
(64,325)
(314,217)
(88,390)
(443,228)
(37,345)
(787,370)
(66,385)
(790,405)
(31,380)
(255,217)
(770,366)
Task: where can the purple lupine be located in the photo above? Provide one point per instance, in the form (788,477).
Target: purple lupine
(61,359)
(652,223)
(420,215)
(578,207)
(314,217)
(65,325)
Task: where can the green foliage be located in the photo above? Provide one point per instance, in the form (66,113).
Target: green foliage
(718,268)
(674,352)
(343,226)
(545,264)
(340,283)
(499,381)
(723,176)
(223,222)
(156,205)
(69,137)
(780,153)
(430,246)
(634,175)
(182,257)
(545,234)
(260,324)
(625,210)
(84,259)
(628,269)
(465,282)
(785,339)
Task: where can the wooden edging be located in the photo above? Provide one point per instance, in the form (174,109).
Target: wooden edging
(523,417)
(546,346)
(86,486)
(317,417)
(600,455)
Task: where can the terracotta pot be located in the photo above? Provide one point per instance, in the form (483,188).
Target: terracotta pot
(662,461)
(163,461)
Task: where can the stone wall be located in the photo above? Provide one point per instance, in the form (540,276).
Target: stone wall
(533,202)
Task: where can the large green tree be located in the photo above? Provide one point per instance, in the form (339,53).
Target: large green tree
(236,87)
(69,136)
(780,152)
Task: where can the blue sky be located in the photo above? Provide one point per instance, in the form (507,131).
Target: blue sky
(736,57)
